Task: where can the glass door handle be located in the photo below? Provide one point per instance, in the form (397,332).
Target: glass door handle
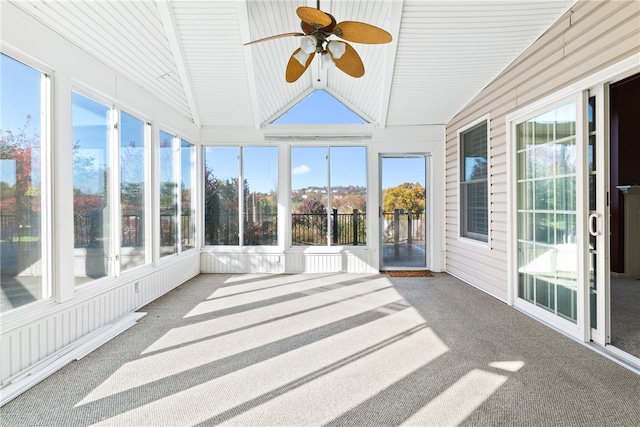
(593,224)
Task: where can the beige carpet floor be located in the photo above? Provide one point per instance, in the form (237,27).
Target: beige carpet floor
(333,350)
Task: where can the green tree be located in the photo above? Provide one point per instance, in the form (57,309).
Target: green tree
(221,208)
(405,196)
(309,223)
(20,198)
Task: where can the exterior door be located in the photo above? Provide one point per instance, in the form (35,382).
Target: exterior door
(548,215)
(561,215)
(402,213)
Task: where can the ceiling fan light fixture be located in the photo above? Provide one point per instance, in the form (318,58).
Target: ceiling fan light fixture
(308,44)
(327,61)
(302,57)
(317,26)
(336,48)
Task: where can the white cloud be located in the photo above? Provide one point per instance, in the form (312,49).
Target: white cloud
(301,169)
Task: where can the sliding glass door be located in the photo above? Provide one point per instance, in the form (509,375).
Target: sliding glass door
(597,251)
(561,215)
(547,212)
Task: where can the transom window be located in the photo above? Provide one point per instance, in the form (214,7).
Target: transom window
(320,108)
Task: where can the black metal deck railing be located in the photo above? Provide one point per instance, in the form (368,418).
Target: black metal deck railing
(307,229)
(344,228)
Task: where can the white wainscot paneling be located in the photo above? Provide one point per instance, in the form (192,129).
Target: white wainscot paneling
(43,341)
(220,262)
(295,261)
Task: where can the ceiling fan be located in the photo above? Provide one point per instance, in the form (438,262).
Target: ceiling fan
(317,27)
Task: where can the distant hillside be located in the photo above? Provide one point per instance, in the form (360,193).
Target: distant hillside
(344,198)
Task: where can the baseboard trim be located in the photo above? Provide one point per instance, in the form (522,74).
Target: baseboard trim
(18,384)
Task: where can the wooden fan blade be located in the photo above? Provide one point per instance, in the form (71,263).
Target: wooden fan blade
(308,28)
(313,17)
(295,69)
(274,37)
(350,62)
(359,32)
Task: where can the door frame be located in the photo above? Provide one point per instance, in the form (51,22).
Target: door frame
(600,224)
(428,211)
(578,91)
(576,329)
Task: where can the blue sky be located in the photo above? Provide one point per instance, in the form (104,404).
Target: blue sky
(398,170)
(319,107)
(348,164)
(13,114)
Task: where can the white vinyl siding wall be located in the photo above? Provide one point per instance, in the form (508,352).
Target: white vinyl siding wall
(590,37)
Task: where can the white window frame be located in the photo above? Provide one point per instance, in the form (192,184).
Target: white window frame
(241,201)
(194,192)
(148,186)
(176,149)
(50,284)
(289,222)
(115,223)
(241,246)
(463,235)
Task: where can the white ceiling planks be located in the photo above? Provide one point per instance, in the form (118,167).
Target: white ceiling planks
(365,94)
(442,55)
(127,36)
(448,51)
(271,57)
(210,37)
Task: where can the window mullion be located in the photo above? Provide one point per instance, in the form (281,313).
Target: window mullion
(148,195)
(177,196)
(46,192)
(328,190)
(114,193)
(241,212)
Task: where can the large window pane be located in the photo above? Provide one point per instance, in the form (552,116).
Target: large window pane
(91,198)
(187,157)
(221,213)
(260,175)
(132,191)
(309,180)
(21,205)
(257,169)
(547,232)
(318,219)
(168,197)
(348,175)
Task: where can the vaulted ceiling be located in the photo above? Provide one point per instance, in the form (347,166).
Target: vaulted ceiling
(191,54)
